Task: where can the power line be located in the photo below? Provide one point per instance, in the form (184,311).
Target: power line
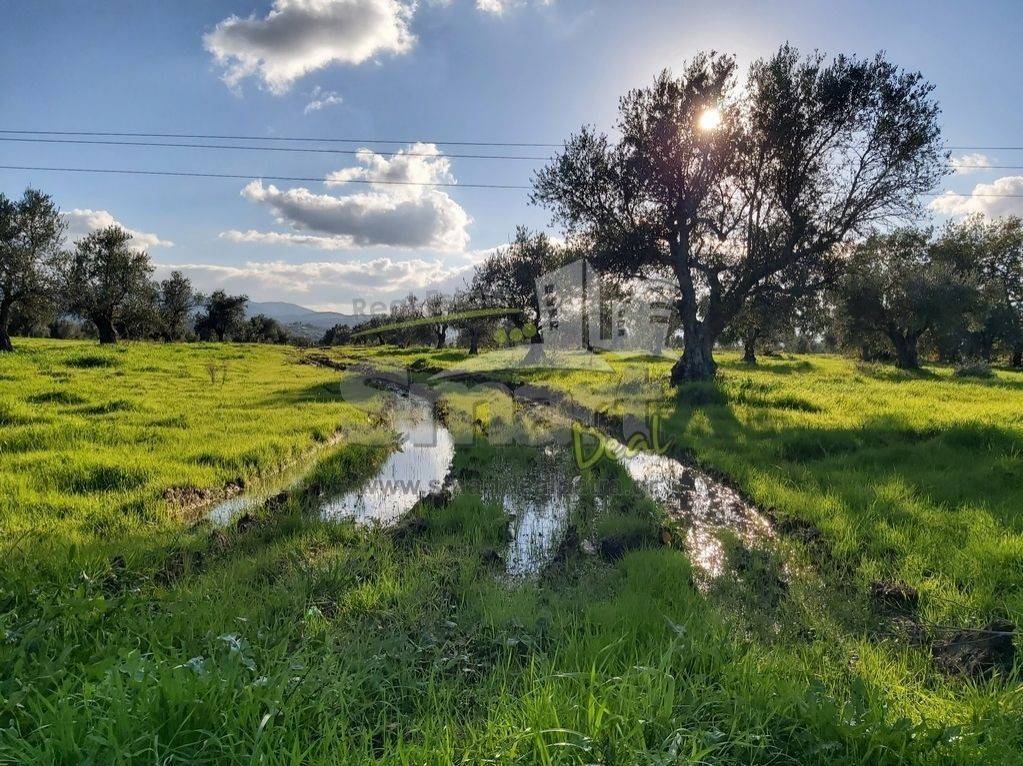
(356,152)
(274,138)
(985,148)
(367,181)
(257,176)
(333,140)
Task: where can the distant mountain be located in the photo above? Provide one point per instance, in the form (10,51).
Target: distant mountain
(299,319)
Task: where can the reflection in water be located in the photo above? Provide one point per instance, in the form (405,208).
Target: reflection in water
(694,498)
(417,468)
(538,498)
(537,526)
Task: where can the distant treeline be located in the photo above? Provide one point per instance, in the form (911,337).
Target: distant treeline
(101,287)
(955,296)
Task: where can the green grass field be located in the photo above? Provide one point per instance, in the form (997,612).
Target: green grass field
(134,634)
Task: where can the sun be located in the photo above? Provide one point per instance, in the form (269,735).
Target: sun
(710,119)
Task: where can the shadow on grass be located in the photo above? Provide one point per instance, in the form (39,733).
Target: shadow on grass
(769,365)
(882,480)
(317,393)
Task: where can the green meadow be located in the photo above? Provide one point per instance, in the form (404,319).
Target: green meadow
(135,632)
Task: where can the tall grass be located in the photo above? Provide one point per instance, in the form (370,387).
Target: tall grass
(294,641)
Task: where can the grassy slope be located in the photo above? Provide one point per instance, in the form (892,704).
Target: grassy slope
(300,642)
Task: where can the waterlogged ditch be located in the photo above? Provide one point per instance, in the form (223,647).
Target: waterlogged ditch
(704,507)
(551,508)
(539,496)
(417,467)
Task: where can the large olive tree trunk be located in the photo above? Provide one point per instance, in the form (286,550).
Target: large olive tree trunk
(907,357)
(697,360)
(106,329)
(749,348)
(5,320)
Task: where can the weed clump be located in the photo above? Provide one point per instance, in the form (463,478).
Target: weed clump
(93,361)
(978,369)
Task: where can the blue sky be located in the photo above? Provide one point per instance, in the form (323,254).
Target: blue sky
(462,70)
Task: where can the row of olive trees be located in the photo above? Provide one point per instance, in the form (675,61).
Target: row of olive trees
(955,296)
(960,293)
(105,281)
(505,279)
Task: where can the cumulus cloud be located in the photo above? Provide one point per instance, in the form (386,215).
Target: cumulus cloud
(321,98)
(970,163)
(498,7)
(300,36)
(1001,197)
(387,215)
(326,283)
(84,221)
(421,163)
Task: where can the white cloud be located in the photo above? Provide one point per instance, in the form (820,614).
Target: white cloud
(326,283)
(970,163)
(419,164)
(990,199)
(498,7)
(300,36)
(388,215)
(321,98)
(84,221)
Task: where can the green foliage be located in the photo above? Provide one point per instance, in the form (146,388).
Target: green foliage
(107,282)
(223,316)
(31,237)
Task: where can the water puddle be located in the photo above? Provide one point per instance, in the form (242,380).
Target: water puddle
(536,528)
(226,511)
(415,469)
(706,507)
(538,505)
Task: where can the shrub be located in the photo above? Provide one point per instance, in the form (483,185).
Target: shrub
(973,369)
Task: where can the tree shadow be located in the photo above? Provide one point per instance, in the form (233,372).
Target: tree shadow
(317,393)
(767,365)
(881,498)
(893,374)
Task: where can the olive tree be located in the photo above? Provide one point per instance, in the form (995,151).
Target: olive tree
(31,241)
(898,290)
(104,277)
(436,306)
(510,275)
(1003,265)
(727,187)
(472,302)
(223,316)
(176,303)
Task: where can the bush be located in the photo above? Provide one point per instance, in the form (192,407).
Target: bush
(973,369)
